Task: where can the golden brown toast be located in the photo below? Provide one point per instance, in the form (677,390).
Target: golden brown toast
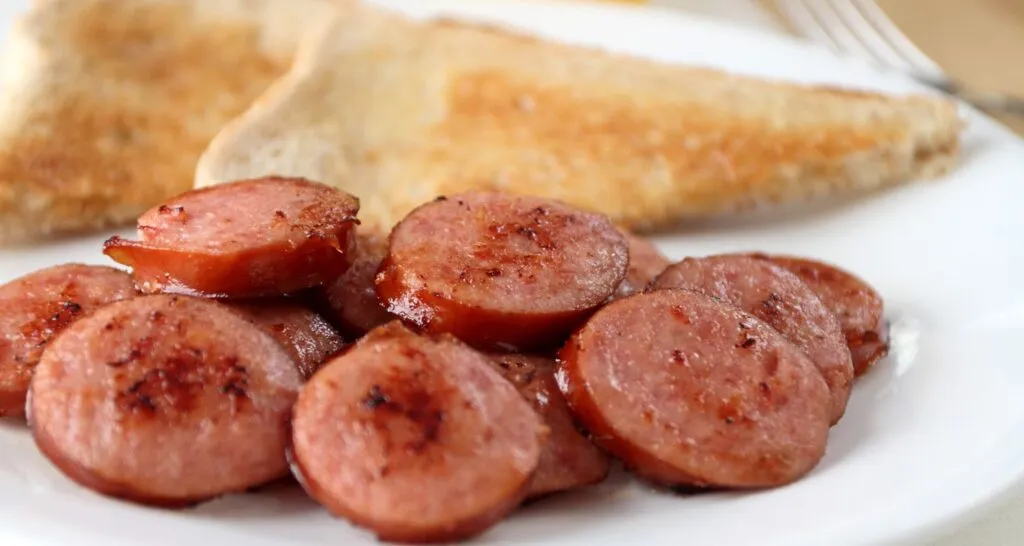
(398,111)
(107,104)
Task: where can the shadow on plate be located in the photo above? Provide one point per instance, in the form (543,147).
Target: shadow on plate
(13,424)
(283,498)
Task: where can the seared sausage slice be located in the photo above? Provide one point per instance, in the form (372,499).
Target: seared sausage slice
(645,263)
(569,460)
(501,271)
(858,306)
(307,336)
(252,238)
(689,391)
(352,297)
(36,307)
(164,400)
(779,298)
(417,439)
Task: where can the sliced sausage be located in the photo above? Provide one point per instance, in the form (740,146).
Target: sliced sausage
(352,297)
(164,400)
(779,298)
(569,460)
(858,306)
(645,263)
(690,391)
(36,307)
(307,336)
(417,439)
(252,238)
(501,271)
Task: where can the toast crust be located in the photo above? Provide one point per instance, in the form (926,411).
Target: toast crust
(399,111)
(111,102)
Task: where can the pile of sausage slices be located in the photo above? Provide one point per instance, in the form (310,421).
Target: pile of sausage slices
(493,348)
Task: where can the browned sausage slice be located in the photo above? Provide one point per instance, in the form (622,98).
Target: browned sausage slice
(36,307)
(779,298)
(569,460)
(164,400)
(251,238)
(501,271)
(858,306)
(417,439)
(307,336)
(352,297)
(645,263)
(689,391)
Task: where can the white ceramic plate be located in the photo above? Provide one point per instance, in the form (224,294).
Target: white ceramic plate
(932,434)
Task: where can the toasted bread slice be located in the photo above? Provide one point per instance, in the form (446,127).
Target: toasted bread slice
(107,104)
(399,111)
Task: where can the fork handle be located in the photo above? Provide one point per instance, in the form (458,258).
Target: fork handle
(989,102)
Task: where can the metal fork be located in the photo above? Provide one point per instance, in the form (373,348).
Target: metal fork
(861,28)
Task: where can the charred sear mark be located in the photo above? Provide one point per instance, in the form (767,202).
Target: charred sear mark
(771,363)
(176,212)
(493,272)
(680,314)
(772,306)
(440,198)
(730,412)
(135,351)
(429,423)
(679,357)
(133,354)
(235,382)
(374,398)
(537,235)
(413,404)
(747,342)
(280,215)
(64,314)
(175,385)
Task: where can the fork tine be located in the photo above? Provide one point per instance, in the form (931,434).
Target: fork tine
(805,22)
(817,20)
(898,41)
(856,21)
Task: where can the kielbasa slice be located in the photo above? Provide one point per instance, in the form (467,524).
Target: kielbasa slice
(164,400)
(352,297)
(645,263)
(307,335)
(252,238)
(690,391)
(36,307)
(417,439)
(568,460)
(501,271)
(858,306)
(779,298)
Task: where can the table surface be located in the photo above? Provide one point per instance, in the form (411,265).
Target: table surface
(978,42)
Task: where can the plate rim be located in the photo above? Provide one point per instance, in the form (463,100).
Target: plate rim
(924,530)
